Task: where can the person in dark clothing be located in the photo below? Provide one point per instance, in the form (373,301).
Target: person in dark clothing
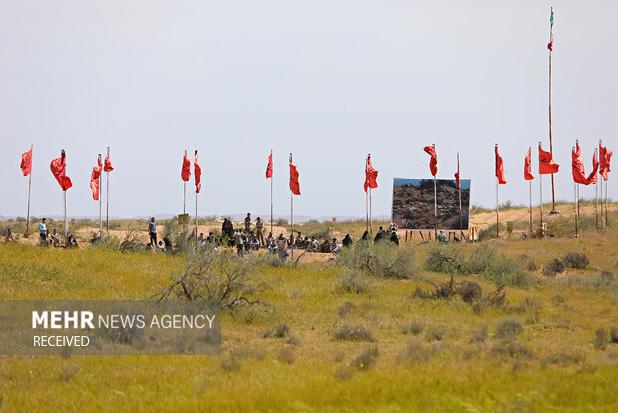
(347,241)
(167,241)
(394,237)
(379,235)
(152,230)
(365,236)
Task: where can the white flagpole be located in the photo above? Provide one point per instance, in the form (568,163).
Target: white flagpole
(367,198)
(292,216)
(271,195)
(107,199)
(100,203)
(29,187)
(435,203)
(66,224)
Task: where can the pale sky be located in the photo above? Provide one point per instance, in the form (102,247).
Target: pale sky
(329,81)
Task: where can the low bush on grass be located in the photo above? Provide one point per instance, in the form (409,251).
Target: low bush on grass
(555,266)
(414,328)
(562,359)
(380,259)
(577,260)
(435,333)
(351,281)
(469,292)
(479,335)
(278,331)
(601,339)
(511,348)
(485,260)
(286,355)
(366,359)
(416,352)
(508,328)
(353,333)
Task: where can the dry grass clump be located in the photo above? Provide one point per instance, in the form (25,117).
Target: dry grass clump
(508,328)
(352,281)
(278,331)
(511,348)
(416,352)
(286,355)
(366,359)
(479,335)
(562,359)
(353,333)
(382,259)
(414,328)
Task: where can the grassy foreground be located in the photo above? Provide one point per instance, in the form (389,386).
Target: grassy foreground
(449,365)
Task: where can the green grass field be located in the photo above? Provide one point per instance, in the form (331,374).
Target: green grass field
(432,355)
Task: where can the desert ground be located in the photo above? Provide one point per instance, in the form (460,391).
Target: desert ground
(509,325)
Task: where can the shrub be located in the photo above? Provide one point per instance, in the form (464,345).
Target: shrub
(511,348)
(286,355)
(244,352)
(554,267)
(278,331)
(577,260)
(416,352)
(601,339)
(381,259)
(351,281)
(444,258)
(230,364)
(353,333)
(366,359)
(414,328)
(435,333)
(562,359)
(508,328)
(344,373)
(613,335)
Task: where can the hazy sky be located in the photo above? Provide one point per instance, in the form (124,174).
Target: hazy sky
(326,80)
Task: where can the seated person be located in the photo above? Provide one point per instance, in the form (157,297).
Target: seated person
(325,246)
(8,237)
(334,246)
(71,241)
(442,236)
(54,238)
(347,240)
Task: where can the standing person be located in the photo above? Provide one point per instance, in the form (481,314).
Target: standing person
(43,231)
(259,229)
(152,230)
(347,241)
(238,240)
(248,223)
(379,235)
(394,238)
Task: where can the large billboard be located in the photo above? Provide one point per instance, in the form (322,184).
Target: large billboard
(413,203)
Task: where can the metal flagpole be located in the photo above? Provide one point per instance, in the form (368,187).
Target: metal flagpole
(541,200)
(370,213)
(435,203)
(497,210)
(100,203)
(184,195)
(596,199)
(606,205)
(366,198)
(107,199)
(459,190)
(29,187)
(196,222)
(271,198)
(66,224)
(575,206)
(600,180)
(553,197)
(530,204)
(291,217)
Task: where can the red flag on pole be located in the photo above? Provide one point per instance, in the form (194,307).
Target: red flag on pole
(433,162)
(186,168)
(95,184)
(457,174)
(546,163)
(269,166)
(107,167)
(499,167)
(371,175)
(59,169)
(528,167)
(26,162)
(605,157)
(198,174)
(592,178)
(294,184)
(577,166)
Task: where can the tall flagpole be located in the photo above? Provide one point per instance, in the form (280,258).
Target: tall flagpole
(184,196)
(600,180)
(530,204)
(271,197)
(541,199)
(196,222)
(596,198)
(291,216)
(29,187)
(66,224)
(367,198)
(497,207)
(100,202)
(551,39)
(435,203)
(459,190)
(107,199)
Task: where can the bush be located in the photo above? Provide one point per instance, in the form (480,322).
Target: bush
(577,260)
(479,335)
(416,352)
(286,355)
(414,328)
(381,259)
(601,339)
(435,333)
(554,267)
(508,328)
(278,331)
(511,348)
(366,359)
(613,335)
(353,333)
(351,281)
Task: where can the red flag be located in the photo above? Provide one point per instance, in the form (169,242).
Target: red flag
(108,163)
(577,166)
(605,157)
(269,166)
(186,168)
(592,178)
(433,162)
(499,167)
(371,175)
(198,174)
(59,169)
(95,183)
(546,163)
(294,185)
(528,167)
(26,162)
(457,174)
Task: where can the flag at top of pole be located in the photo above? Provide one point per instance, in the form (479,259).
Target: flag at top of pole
(433,162)
(457,174)
(371,175)
(185,173)
(59,169)
(269,166)
(528,166)
(294,184)
(95,183)
(26,162)
(550,45)
(197,169)
(546,162)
